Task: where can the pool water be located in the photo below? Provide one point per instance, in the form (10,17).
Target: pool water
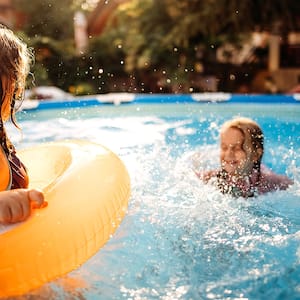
(182,239)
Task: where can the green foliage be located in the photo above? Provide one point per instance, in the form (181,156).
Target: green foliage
(150,42)
(54,61)
(150,28)
(49,18)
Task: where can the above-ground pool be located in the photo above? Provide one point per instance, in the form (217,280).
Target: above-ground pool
(182,239)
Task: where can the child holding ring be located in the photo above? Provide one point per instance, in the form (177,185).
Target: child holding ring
(16,200)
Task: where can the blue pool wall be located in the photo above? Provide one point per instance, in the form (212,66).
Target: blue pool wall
(126,98)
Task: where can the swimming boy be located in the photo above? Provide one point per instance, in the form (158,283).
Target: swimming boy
(241,151)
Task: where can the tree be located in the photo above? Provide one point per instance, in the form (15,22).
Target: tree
(49,18)
(162,41)
(48,29)
(147,27)
(177,36)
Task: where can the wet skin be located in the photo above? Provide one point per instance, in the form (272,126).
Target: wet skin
(235,160)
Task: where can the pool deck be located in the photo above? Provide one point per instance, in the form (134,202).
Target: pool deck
(128,98)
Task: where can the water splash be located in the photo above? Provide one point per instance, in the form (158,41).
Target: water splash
(182,239)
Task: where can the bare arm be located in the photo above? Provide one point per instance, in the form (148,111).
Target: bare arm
(207,175)
(16,205)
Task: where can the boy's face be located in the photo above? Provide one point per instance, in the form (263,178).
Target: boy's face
(235,160)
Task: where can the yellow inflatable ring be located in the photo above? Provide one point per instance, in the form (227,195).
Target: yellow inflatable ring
(87,188)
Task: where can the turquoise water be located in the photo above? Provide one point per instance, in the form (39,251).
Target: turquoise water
(182,239)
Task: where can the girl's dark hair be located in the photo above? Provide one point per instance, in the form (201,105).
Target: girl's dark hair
(15,59)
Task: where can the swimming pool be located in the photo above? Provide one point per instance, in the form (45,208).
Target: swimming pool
(182,239)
